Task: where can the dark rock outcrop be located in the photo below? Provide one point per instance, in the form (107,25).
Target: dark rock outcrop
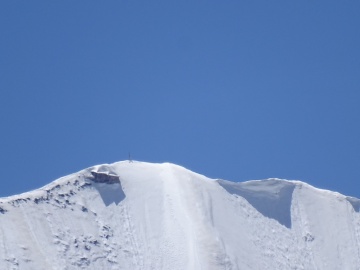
(105,177)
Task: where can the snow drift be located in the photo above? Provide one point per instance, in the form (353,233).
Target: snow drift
(161,216)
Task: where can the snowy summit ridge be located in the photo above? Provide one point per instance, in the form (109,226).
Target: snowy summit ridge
(162,216)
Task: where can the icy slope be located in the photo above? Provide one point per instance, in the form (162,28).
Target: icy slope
(161,216)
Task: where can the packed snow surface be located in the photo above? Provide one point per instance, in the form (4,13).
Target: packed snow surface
(136,215)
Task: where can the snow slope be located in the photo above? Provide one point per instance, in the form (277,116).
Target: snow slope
(163,216)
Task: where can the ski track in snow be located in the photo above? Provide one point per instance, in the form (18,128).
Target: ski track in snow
(163,216)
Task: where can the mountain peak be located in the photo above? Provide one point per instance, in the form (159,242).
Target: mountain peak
(138,215)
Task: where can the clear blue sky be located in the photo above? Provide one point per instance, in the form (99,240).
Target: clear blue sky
(236,90)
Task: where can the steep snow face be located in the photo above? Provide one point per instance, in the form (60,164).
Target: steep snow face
(161,216)
(272,197)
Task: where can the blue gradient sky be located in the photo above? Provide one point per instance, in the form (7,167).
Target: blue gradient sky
(236,90)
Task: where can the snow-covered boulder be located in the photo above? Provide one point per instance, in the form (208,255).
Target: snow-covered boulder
(103,174)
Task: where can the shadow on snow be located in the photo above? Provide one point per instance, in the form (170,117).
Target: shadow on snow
(355,202)
(272,198)
(110,193)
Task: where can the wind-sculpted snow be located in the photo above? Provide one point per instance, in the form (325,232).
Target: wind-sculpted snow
(354,202)
(143,216)
(108,184)
(104,174)
(272,197)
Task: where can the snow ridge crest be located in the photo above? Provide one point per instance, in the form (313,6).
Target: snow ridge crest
(137,215)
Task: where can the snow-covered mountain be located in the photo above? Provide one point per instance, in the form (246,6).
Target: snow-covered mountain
(162,216)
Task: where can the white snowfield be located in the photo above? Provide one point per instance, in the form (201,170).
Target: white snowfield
(163,216)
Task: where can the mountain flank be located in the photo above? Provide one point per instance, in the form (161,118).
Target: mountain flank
(137,215)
